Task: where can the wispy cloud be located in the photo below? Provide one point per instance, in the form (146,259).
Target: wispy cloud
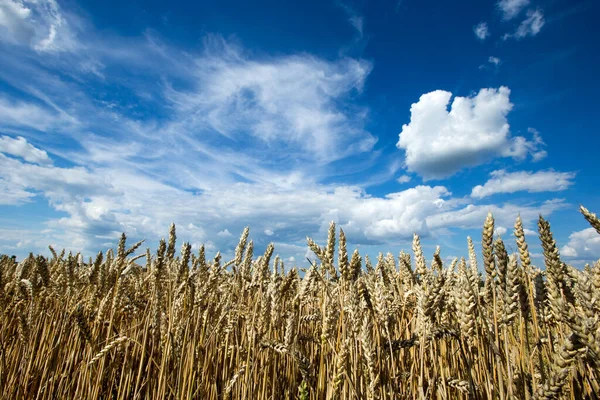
(354,17)
(39,24)
(530,26)
(102,202)
(481,31)
(533,182)
(282,102)
(492,63)
(221,138)
(494,60)
(512,8)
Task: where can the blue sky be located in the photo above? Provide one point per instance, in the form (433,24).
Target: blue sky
(388,117)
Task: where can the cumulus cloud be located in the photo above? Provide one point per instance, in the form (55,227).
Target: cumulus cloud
(19,147)
(227,139)
(501,231)
(403,179)
(481,31)
(225,233)
(512,8)
(532,182)
(530,26)
(98,204)
(101,203)
(438,142)
(39,24)
(584,245)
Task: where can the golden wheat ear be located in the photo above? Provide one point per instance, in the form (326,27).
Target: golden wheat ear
(593,220)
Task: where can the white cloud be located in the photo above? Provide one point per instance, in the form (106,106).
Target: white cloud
(531,182)
(438,142)
(21,114)
(224,233)
(404,179)
(568,251)
(11,194)
(537,154)
(511,8)
(481,31)
(472,216)
(39,24)
(583,245)
(269,232)
(494,60)
(287,101)
(246,139)
(21,148)
(354,18)
(357,22)
(501,231)
(531,26)
(101,203)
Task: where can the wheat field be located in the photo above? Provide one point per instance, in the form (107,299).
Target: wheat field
(158,325)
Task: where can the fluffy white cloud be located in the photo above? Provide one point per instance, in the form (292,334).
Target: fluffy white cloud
(481,31)
(224,233)
(532,182)
(511,8)
(404,179)
(501,231)
(530,26)
(584,245)
(438,142)
(39,24)
(239,140)
(21,148)
(99,204)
